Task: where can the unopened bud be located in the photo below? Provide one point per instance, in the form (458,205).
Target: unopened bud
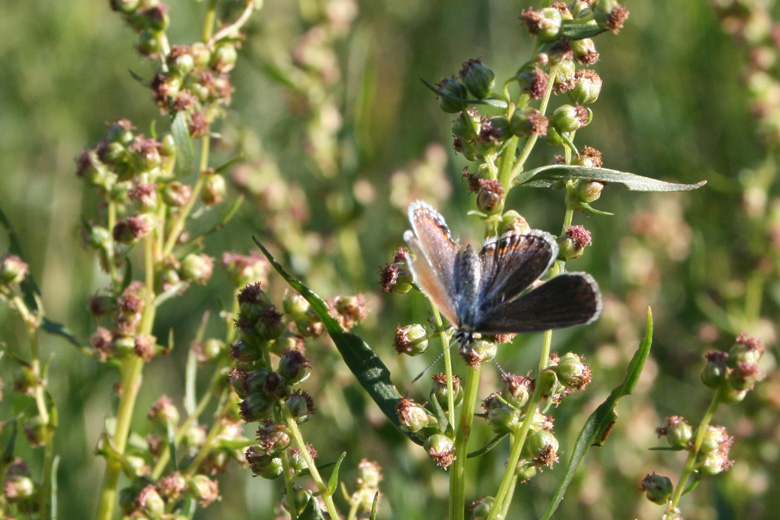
(411,340)
(657,488)
(453,88)
(441,449)
(478,78)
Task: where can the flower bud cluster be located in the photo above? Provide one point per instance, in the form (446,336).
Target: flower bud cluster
(192,79)
(369,475)
(146,500)
(269,363)
(753,27)
(735,373)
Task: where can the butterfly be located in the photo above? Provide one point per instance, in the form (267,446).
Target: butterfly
(486,292)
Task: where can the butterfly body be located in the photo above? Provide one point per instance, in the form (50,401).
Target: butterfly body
(486,292)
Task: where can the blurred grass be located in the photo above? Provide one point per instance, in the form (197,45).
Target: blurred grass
(672,107)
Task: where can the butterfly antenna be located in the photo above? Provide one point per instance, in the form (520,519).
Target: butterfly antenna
(429,366)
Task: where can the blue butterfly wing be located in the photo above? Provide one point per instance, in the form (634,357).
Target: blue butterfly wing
(564,301)
(434,257)
(511,263)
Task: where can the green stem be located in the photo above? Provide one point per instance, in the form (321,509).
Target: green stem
(292,506)
(505,489)
(445,345)
(690,463)
(315,474)
(529,144)
(463,432)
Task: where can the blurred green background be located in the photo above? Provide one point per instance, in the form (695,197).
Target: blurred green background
(674,106)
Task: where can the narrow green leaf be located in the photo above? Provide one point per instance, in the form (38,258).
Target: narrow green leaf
(576,30)
(333,481)
(312,510)
(489,446)
(498,103)
(600,422)
(438,412)
(372,374)
(552,174)
(693,482)
(226,216)
(374,506)
(58,329)
(185,155)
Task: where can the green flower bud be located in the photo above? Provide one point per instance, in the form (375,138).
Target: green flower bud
(180,61)
(714,463)
(224,57)
(411,340)
(12,269)
(255,407)
(263,464)
(677,431)
(275,386)
(412,416)
(610,15)
(731,395)
(439,390)
(588,191)
(441,449)
(715,370)
(746,348)
(745,375)
(513,221)
(572,244)
(214,190)
(455,89)
(564,76)
(490,197)
(569,118)
(150,43)
(176,194)
(503,418)
(163,412)
(572,372)
(467,124)
(527,122)
(657,488)
(157,18)
(201,55)
(479,79)
(516,390)
(544,24)
(150,502)
(293,367)
(584,51)
(480,509)
(479,351)
(541,447)
(301,406)
(19,488)
(203,489)
(587,87)
(466,147)
(525,471)
(196,268)
(715,437)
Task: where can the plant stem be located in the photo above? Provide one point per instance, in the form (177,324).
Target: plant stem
(503,496)
(463,432)
(445,346)
(315,474)
(690,463)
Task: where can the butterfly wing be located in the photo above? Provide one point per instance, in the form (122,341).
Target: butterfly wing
(566,300)
(434,256)
(511,263)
